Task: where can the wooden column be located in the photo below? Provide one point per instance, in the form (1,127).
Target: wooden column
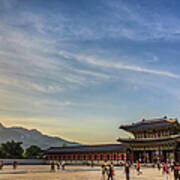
(174,152)
(132,156)
(144,155)
(159,153)
(119,156)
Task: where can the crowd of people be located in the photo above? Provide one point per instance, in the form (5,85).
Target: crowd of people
(14,165)
(57,165)
(108,171)
(167,167)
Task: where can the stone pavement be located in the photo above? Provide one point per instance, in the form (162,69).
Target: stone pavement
(80,173)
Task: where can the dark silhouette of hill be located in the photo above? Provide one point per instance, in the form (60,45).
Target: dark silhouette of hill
(31,137)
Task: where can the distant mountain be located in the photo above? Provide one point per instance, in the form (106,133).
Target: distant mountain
(31,137)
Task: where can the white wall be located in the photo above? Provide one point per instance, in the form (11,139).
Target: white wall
(25,161)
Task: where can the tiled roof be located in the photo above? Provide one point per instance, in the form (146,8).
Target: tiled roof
(150,124)
(149,140)
(88,148)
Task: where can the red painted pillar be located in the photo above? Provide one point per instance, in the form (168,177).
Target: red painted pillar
(71,157)
(112,156)
(125,156)
(98,156)
(87,156)
(119,156)
(105,156)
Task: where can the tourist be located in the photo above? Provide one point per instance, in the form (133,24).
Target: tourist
(138,166)
(112,168)
(63,165)
(166,171)
(103,172)
(111,172)
(52,166)
(14,165)
(159,165)
(127,170)
(163,165)
(175,171)
(172,165)
(106,167)
(92,164)
(58,165)
(1,165)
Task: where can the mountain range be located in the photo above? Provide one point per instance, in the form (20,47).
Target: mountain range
(31,137)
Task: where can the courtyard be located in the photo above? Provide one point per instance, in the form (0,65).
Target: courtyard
(75,173)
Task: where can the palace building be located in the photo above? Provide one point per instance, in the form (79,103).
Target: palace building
(153,139)
(88,153)
(157,139)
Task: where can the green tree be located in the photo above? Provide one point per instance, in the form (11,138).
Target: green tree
(2,155)
(64,145)
(34,152)
(11,149)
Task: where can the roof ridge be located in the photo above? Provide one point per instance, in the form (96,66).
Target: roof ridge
(81,146)
(153,120)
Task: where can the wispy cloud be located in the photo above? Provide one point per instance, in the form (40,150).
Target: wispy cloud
(109,64)
(55,62)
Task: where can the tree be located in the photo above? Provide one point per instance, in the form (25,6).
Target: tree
(34,152)
(64,145)
(11,149)
(2,154)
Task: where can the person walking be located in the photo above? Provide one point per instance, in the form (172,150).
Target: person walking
(175,171)
(1,165)
(63,165)
(103,172)
(110,172)
(58,165)
(52,166)
(127,170)
(112,168)
(166,171)
(138,168)
(14,165)
(159,165)
(106,167)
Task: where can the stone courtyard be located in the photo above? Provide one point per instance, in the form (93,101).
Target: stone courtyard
(75,173)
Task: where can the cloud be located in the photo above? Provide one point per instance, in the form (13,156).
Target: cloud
(109,64)
(137,22)
(32,63)
(70,63)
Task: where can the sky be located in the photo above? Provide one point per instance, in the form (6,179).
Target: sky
(78,69)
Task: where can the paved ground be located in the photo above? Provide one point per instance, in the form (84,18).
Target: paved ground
(77,173)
